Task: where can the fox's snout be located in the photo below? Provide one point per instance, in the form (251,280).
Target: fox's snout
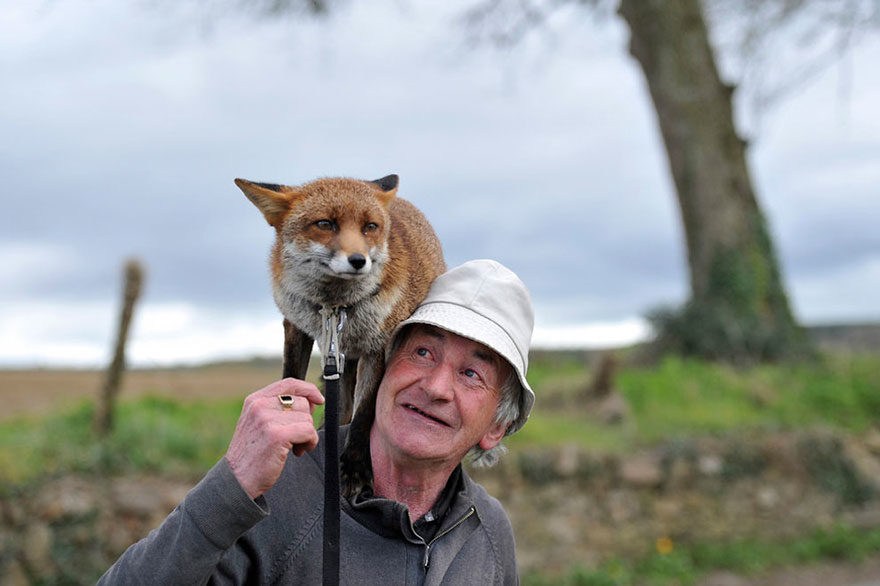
(357,261)
(353,264)
(349,248)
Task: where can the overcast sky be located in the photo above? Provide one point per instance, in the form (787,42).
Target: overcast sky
(122,126)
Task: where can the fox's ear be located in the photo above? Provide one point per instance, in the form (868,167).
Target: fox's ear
(387,187)
(387,183)
(271,199)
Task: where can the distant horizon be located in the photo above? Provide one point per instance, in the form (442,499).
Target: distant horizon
(580,336)
(623,338)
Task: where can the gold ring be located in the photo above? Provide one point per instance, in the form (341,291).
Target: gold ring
(286,402)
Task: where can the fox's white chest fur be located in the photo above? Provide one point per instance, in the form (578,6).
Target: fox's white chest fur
(309,282)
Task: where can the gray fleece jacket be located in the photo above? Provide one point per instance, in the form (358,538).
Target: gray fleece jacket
(218,535)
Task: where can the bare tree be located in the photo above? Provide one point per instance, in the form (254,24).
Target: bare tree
(257,8)
(738,308)
(774,47)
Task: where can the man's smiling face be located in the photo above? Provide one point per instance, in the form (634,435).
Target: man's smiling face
(438,398)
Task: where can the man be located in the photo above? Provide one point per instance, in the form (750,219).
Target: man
(454,386)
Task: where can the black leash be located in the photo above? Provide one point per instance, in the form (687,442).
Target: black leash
(331,475)
(334,363)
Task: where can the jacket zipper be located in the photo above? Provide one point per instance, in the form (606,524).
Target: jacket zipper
(427,558)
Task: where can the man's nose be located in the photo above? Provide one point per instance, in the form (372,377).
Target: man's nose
(439,383)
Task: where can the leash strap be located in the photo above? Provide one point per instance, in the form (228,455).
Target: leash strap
(334,363)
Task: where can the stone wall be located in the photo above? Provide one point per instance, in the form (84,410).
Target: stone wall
(69,529)
(567,505)
(570,506)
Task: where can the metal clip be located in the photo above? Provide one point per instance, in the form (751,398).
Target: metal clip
(332,322)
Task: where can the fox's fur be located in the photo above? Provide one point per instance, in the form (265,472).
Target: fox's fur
(352,243)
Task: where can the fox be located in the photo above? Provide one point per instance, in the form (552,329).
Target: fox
(350,243)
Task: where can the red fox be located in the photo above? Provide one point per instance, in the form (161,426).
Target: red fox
(352,243)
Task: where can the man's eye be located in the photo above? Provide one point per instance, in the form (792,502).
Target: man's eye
(422,352)
(471,373)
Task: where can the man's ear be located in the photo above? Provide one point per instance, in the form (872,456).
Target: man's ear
(493,437)
(273,200)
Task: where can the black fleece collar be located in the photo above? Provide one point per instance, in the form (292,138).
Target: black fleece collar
(391,519)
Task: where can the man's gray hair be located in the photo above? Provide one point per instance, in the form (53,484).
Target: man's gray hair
(506,413)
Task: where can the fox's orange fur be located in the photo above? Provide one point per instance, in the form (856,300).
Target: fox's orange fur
(351,243)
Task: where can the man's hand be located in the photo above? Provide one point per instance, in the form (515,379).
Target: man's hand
(266,433)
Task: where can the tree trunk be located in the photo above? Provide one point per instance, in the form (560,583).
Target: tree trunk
(738,308)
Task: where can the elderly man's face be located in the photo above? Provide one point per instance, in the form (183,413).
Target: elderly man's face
(438,397)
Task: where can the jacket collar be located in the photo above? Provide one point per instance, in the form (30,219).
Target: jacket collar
(391,519)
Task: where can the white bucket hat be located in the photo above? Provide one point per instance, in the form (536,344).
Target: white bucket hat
(486,302)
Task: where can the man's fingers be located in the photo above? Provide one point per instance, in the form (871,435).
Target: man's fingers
(274,421)
(299,432)
(294,388)
(302,389)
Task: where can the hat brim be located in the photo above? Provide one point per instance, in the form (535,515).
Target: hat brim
(465,322)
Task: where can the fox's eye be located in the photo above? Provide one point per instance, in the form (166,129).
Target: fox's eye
(370,227)
(325,224)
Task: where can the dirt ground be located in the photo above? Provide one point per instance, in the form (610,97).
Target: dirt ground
(35,392)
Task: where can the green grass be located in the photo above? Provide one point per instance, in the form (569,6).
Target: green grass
(683,566)
(841,392)
(554,429)
(151,434)
(680,397)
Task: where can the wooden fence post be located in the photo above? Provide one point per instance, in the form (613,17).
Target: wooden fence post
(133,279)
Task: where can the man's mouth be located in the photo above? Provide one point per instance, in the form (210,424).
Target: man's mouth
(426,415)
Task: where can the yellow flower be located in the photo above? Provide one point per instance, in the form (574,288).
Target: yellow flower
(664,545)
